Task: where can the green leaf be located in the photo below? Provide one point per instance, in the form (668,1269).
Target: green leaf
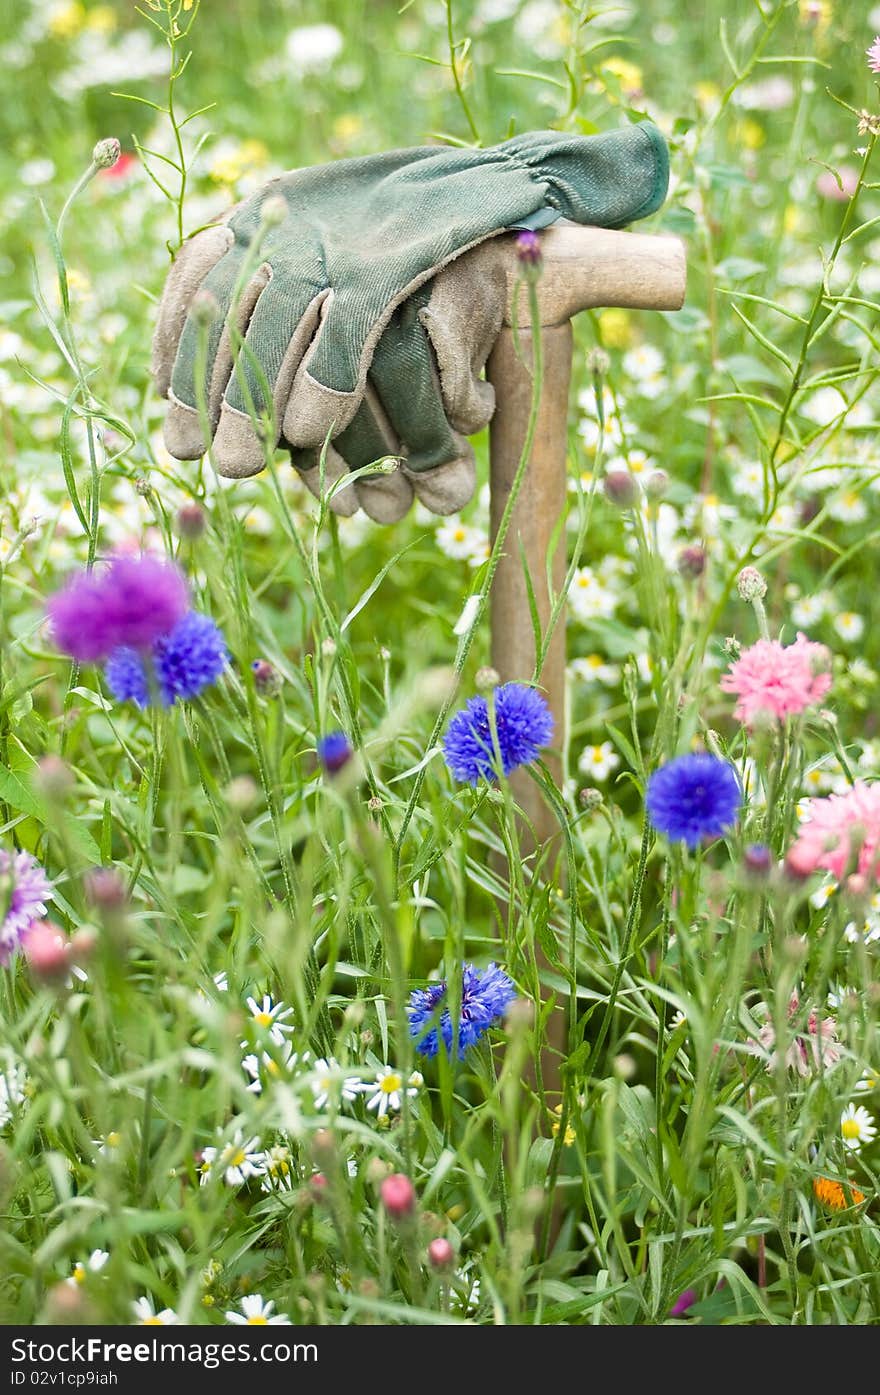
(18,794)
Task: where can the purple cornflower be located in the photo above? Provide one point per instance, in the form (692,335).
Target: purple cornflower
(524,724)
(131,603)
(334,751)
(183,664)
(24,891)
(484,996)
(693,797)
(874,55)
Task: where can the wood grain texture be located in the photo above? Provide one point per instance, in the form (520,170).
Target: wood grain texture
(588,267)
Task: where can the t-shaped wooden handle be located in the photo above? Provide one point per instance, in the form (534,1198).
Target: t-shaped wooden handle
(581,268)
(587,267)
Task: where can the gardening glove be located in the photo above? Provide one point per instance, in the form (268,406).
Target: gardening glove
(320,311)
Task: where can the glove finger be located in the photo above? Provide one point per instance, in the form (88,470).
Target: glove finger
(387,497)
(256,390)
(384,498)
(183,427)
(463,316)
(308,464)
(609,179)
(446,488)
(329,383)
(439,463)
(200,344)
(192,264)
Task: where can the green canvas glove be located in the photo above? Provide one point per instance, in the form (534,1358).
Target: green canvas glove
(353,332)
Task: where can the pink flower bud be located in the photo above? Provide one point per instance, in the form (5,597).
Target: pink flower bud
(800,863)
(398,1196)
(191,521)
(621,488)
(441,1255)
(105,889)
(47,952)
(53,777)
(319,1186)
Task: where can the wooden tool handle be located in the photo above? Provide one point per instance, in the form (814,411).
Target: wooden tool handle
(587,267)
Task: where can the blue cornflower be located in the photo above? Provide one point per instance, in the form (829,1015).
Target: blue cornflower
(334,751)
(693,797)
(183,663)
(484,996)
(524,724)
(126,677)
(191,658)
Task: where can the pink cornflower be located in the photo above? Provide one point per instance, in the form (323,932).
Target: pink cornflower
(814,1049)
(837,829)
(874,55)
(779,681)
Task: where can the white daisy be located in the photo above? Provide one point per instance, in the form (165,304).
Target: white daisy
(588,598)
(109,1145)
(458,540)
(857,1127)
(257,1313)
(267,1067)
(849,625)
(238,1160)
(388,1089)
(83,1267)
(823,894)
(747,480)
(707,514)
(329,1082)
(810,610)
(646,365)
(271,1017)
(598,761)
(278,1175)
(866,931)
(784,519)
(848,507)
(869,757)
(818,779)
(868,1083)
(594,669)
(148,1317)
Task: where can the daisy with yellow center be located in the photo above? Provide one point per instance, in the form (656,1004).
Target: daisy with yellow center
(856,1127)
(271,1017)
(598,761)
(93,1265)
(388,1090)
(257,1313)
(146,1315)
(239,1160)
